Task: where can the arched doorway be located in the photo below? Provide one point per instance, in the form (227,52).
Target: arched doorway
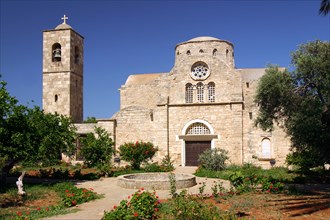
(197,136)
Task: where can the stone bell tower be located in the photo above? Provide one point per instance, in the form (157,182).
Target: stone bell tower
(62,87)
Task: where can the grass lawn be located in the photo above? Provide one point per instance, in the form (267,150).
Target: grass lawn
(42,200)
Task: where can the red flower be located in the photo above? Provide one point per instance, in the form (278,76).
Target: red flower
(74,202)
(38,208)
(47,209)
(142,188)
(114,207)
(156,209)
(129,197)
(271,186)
(27,213)
(136,214)
(137,142)
(66,190)
(154,192)
(19,213)
(147,152)
(91,189)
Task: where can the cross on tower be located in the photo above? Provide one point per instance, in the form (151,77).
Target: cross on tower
(64,19)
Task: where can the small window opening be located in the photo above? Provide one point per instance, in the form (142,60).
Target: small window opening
(177,53)
(56,52)
(201,51)
(247,85)
(200,92)
(211,90)
(215,51)
(76,55)
(56,98)
(188,52)
(250,115)
(189,93)
(227,51)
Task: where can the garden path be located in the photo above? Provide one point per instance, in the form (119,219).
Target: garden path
(113,194)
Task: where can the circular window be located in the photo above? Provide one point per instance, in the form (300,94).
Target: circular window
(200,71)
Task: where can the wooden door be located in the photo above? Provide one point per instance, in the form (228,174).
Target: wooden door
(194,149)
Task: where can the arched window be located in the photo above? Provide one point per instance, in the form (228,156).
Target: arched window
(56,98)
(201,51)
(211,90)
(188,52)
(215,51)
(198,128)
(56,52)
(200,92)
(76,55)
(266,148)
(227,51)
(189,93)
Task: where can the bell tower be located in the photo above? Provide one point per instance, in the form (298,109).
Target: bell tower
(62,71)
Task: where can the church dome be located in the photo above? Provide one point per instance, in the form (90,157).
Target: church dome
(203,38)
(63,26)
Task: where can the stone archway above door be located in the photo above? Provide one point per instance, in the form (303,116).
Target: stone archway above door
(198,135)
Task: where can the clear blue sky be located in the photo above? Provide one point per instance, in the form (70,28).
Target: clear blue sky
(128,37)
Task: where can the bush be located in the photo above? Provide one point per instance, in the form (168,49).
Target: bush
(213,159)
(136,153)
(143,205)
(72,195)
(97,150)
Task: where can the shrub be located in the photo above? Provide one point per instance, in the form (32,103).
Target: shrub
(213,159)
(167,164)
(72,195)
(97,149)
(185,206)
(143,205)
(136,153)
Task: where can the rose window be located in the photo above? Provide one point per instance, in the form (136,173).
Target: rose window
(200,71)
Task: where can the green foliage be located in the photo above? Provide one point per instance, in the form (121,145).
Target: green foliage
(167,164)
(142,205)
(72,196)
(185,206)
(137,153)
(90,120)
(41,191)
(324,7)
(213,159)
(29,134)
(97,149)
(171,177)
(300,101)
(272,187)
(278,173)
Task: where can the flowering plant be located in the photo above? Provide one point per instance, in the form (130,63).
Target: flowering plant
(137,152)
(142,205)
(74,196)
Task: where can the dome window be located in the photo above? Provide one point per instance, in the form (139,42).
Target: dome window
(215,51)
(188,52)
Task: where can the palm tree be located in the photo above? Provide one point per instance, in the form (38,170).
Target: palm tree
(325,7)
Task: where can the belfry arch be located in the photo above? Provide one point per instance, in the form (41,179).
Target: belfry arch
(196,136)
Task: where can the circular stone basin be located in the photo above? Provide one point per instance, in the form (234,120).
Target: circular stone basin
(155,181)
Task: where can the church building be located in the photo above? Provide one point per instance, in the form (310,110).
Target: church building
(203,102)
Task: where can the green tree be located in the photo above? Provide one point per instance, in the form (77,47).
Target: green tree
(97,149)
(29,134)
(299,101)
(324,7)
(90,120)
